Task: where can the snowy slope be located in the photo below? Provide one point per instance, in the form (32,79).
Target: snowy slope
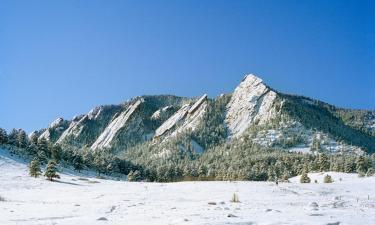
(77,200)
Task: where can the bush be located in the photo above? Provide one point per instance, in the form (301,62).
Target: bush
(134,176)
(235,198)
(305,178)
(370,172)
(328,179)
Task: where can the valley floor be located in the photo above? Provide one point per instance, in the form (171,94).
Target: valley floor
(77,200)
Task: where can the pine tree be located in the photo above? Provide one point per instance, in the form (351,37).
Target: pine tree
(315,146)
(285,176)
(34,168)
(43,147)
(134,176)
(349,166)
(22,140)
(270,175)
(51,170)
(304,177)
(3,137)
(100,163)
(56,152)
(12,137)
(323,162)
(370,172)
(42,157)
(78,162)
(32,150)
(361,165)
(34,139)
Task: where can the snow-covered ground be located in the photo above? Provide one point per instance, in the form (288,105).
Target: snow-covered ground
(77,200)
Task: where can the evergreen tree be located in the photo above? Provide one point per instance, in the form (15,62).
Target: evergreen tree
(51,170)
(32,150)
(285,176)
(43,147)
(21,138)
(316,146)
(100,163)
(361,165)
(349,166)
(270,175)
(34,139)
(42,157)
(78,162)
(12,137)
(34,168)
(304,177)
(3,137)
(56,153)
(370,172)
(134,176)
(323,162)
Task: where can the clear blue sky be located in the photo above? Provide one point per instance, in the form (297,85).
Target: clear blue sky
(62,58)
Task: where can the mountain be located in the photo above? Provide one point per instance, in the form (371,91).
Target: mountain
(253,111)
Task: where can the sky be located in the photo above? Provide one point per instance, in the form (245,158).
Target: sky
(61,58)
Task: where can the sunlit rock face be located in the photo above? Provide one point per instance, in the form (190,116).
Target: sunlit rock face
(252,102)
(105,139)
(187,117)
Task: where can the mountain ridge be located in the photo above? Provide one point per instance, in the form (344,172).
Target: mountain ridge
(252,104)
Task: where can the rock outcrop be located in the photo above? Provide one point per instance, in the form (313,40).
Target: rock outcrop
(72,129)
(55,129)
(251,103)
(188,117)
(105,139)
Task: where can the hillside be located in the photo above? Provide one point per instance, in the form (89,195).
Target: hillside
(286,121)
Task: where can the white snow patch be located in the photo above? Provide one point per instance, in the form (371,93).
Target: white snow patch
(83,200)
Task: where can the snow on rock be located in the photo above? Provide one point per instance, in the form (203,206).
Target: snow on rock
(172,121)
(54,125)
(73,128)
(251,103)
(76,127)
(157,114)
(197,104)
(35,133)
(95,112)
(105,138)
(188,117)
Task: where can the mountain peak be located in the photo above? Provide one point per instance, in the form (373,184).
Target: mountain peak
(251,80)
(251,103)
(252,77)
